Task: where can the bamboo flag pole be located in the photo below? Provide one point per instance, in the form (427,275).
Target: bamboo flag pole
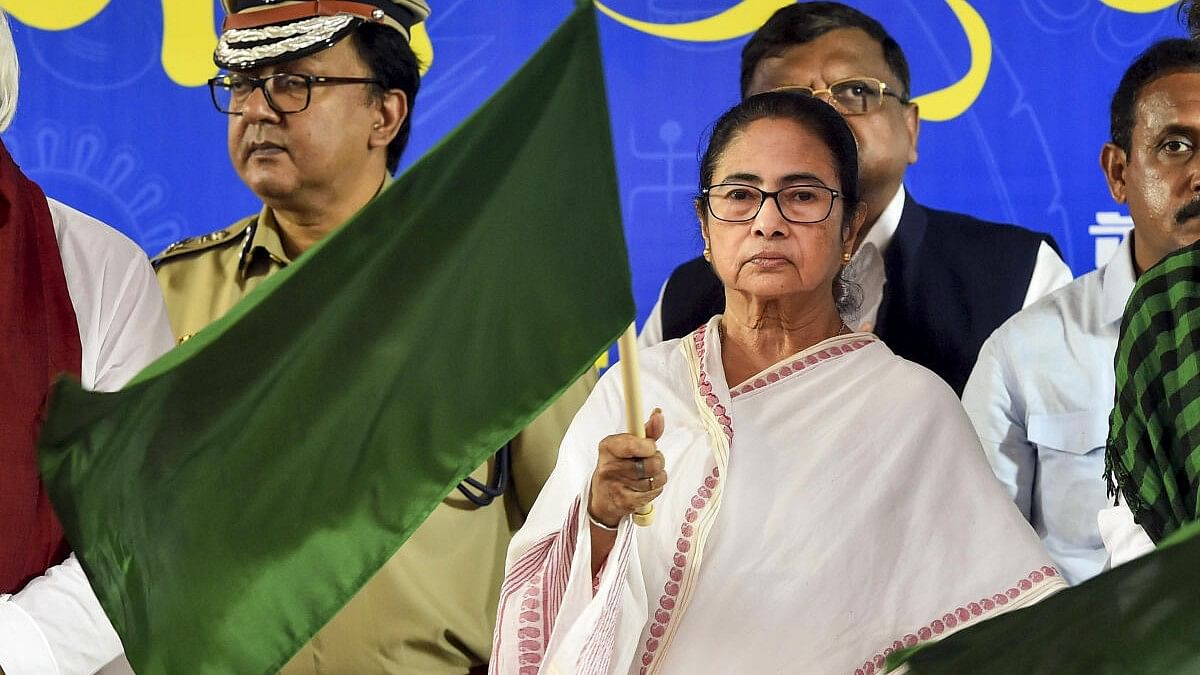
(627,353)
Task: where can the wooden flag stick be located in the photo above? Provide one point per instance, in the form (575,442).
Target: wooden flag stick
(627,353)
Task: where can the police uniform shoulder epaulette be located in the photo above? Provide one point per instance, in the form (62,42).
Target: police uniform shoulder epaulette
(201,242)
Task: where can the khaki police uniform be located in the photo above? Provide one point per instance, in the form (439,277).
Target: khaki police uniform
(432,607)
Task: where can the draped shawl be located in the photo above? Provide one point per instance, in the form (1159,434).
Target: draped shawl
(826,512)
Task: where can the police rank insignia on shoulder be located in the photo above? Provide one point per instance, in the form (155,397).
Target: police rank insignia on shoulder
(201,242)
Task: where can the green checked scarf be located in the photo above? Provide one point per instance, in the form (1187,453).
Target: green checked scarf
(1154,438)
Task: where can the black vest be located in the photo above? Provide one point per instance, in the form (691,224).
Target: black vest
(951,281)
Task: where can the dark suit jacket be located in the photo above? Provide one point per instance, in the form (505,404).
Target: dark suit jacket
(951,281)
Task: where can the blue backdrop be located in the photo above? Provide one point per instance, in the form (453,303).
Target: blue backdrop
(114,120)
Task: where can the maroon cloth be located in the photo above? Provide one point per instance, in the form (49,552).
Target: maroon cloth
(39,339)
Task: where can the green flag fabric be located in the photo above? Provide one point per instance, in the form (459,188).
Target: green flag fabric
(1138,619)
(234,496)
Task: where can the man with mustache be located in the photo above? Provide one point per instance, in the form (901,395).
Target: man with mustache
(319,97)
(934,284)
(1041,392)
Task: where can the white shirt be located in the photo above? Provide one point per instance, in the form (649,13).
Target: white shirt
(55,626)
(1124,539)
(867,269)
(1040,396)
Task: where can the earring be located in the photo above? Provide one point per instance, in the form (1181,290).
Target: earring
(375,126)
(846,258)
(708,254)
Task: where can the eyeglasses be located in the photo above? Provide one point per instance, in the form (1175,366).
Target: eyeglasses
(737,203)
(285,92)
(854,95)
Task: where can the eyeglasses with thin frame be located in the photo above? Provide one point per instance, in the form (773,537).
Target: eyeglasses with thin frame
(285,92)
(738,203)
(853,95)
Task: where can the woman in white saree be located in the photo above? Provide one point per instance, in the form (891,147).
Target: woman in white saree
(828,502)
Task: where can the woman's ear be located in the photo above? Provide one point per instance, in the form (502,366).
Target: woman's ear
(699,204)
(852,229)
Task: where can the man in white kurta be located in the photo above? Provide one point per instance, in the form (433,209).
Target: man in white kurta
(1039,397)
(823,514)
(1042,390)
(55,624)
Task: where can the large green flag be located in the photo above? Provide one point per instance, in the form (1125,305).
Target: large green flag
(1138,619)
(231,499)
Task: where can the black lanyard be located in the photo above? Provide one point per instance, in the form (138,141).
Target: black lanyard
(482,494)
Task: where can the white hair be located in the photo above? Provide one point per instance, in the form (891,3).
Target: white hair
(9,74)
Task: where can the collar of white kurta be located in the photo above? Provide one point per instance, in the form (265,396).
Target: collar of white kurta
(883,230)
(867,268)
(1117,280)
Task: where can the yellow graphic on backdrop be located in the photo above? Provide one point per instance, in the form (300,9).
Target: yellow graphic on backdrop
(54,14)
(1139,6)
(745,17)
(188,42)
(422,46)
(946,104)
(188,37)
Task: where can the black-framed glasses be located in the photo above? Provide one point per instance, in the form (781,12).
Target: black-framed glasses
(285,92)
(737,203)
(853,95)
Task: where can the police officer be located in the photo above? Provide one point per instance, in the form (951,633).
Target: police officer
(319,97)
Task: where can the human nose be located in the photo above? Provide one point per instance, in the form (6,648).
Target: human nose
(770,221)
(256,108)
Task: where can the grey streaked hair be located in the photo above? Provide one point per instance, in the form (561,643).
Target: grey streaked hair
(9,74)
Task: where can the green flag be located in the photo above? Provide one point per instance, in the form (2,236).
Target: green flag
(1138,619)
(234,496)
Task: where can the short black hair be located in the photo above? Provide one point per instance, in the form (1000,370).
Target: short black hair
(391,60)
(1162,58)
(827,124)
(804,22)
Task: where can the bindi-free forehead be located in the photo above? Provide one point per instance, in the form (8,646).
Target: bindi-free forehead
(836,55)
(773,153)
(1170,104)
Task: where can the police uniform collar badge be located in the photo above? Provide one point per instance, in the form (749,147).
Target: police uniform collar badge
(265,32)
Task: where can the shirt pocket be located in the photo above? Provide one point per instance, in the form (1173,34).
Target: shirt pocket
(1070,488)
(1077,433)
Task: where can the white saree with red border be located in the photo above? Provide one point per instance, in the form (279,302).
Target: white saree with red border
(826,512)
